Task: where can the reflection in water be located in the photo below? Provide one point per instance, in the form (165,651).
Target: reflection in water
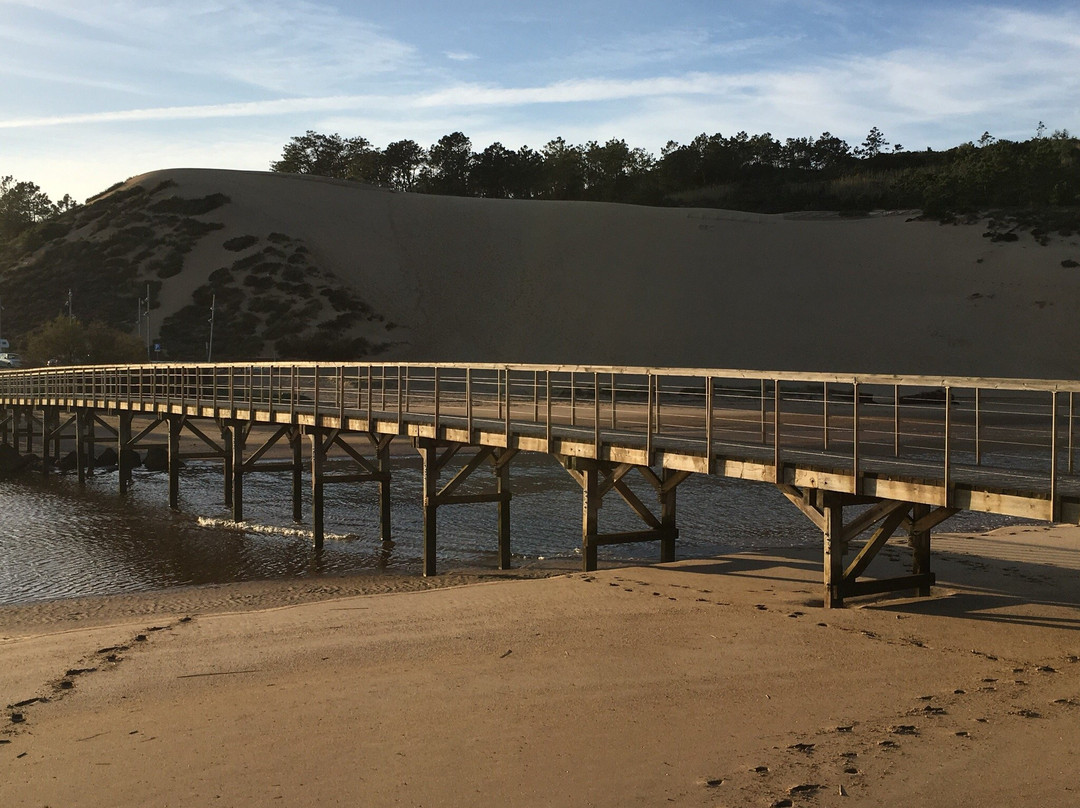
(57,540)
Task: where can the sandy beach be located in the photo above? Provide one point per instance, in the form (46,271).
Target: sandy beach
(715,682)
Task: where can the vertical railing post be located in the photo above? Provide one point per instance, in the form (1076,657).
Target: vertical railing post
(435,403)
(978,426)
(649,420)
(468,403)
(762,412)
(596,415)
(506,390)
(614,419)
(856,471)
(294,393)
(573,398)
(400,403)
(341,396)
(709,390)
(896,420)
(948,446)
(536,396)
(1071,412)
(1053,456)
(825,415)
(778,474)
(370,395)
(547,405)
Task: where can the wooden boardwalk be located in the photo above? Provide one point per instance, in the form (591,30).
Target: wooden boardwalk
(898,452)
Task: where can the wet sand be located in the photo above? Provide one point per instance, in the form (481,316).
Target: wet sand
(704,682)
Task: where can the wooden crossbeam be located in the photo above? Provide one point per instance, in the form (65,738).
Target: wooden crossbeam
(673,481)
(375,477)
(636,504)
(379,442)
(276,466)
(626,537)
(800,500)
(876,541)
(462,475)
(868,518)
(146,431)
(441,460)
(470,499)
(357,457)
(198,433)
(613,476)
(58,432)
(651,477)
(268,444)
(933,519)
(104,425)
(501,460)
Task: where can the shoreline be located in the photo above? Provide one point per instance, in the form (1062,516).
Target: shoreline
(1058,545)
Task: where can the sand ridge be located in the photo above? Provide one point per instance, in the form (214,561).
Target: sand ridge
(463,279)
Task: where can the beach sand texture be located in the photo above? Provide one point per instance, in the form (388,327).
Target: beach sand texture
(707,682)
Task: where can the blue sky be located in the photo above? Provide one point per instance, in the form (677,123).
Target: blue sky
(95,91)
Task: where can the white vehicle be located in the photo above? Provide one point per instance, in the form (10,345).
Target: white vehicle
(10,360)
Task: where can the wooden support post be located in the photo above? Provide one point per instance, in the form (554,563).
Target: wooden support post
(830,506)
(29,413)
(91,449)
(383,461)
(920,547)
(669,532)
(81,417)
(590,515)
(227,470)
(176,423)
(123,450)
(318,464)
(48,417)
(237,439)
(502,487)
(430,476)
(296,443)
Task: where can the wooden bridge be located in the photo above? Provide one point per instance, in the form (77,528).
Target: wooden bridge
(862,456)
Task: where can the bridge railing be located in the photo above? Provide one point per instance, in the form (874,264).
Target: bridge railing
(939,426)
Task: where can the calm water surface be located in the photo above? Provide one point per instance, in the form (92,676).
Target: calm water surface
(60,540)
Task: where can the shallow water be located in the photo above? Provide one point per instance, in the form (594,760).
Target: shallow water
(60,540)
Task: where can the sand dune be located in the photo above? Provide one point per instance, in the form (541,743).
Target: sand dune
(527,281)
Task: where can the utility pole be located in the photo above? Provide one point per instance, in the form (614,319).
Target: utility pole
(147,314)
(210,344)
(70,315)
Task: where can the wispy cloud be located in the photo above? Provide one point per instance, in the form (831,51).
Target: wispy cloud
(170,76)
(269,45)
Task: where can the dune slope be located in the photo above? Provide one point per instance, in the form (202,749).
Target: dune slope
(454,279)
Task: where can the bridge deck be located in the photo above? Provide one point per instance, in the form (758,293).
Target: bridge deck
(996,445)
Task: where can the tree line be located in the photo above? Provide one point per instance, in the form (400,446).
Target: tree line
(23,204)
(742,171)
